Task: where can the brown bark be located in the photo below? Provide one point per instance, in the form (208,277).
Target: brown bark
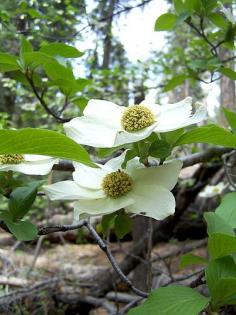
(108,37)
(140,233)
(227,86)
(227,89)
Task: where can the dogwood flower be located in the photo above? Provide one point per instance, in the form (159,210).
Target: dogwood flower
(212,190)
(103,190)
(106,124)
(29,164)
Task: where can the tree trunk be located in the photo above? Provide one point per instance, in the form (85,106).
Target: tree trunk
(108,36)
(140,231)
(227,88)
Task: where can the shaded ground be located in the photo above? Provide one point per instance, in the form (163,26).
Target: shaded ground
(65,271)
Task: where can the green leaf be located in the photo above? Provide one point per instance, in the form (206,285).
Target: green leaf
(216,224)
(22,198)
(55,71)
(227,209)
(35,14)
(8,59)
(193,5)
(209,5)
(20,77)
(37,58)
(228,73)
(220,245)
(166,22)
(81,102)
(123,224)
(82,83)
(22,230)
(182,6)
(4,67)
(8,62)
(231,118)
(160,149)
(224,293)
(175,81)
(5,215)
(63,78)
(172,300)
(218,20)
(108,221)
(220,268)
(60,49)
(212,134)
(130,154)
(43,142)
(191,259)
(105,152)
(142,148)
(179,6)
(221,281)
(172,136)
(8,182)
(25,45)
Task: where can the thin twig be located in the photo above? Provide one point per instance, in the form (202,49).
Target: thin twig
(185,277)
(17,295)
(112,260)
(41,99)
(36,254)
(101,243)
(199,281)
(180,251)
(129,306)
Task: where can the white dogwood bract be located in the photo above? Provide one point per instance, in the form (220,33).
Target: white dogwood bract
(106,189)
(29,164)
(104,123)
(212,190)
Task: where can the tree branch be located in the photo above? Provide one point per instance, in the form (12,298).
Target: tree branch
(101,243)
(61,228)
(42,101)
(204,156)
(190,160)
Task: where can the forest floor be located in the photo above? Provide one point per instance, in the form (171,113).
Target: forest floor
(63,269)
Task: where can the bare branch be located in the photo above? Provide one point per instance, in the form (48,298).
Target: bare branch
(199,281)
(101,243)
(17,295)
(192,159)
(61,228)
(204,156)
(113,262)
(42,101)
(229,59)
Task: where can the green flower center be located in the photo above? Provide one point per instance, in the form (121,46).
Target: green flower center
(216,189)
(117,184)
(137,117)
(11,159)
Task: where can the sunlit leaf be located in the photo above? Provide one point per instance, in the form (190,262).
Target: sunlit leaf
(172,300)
(44,142)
